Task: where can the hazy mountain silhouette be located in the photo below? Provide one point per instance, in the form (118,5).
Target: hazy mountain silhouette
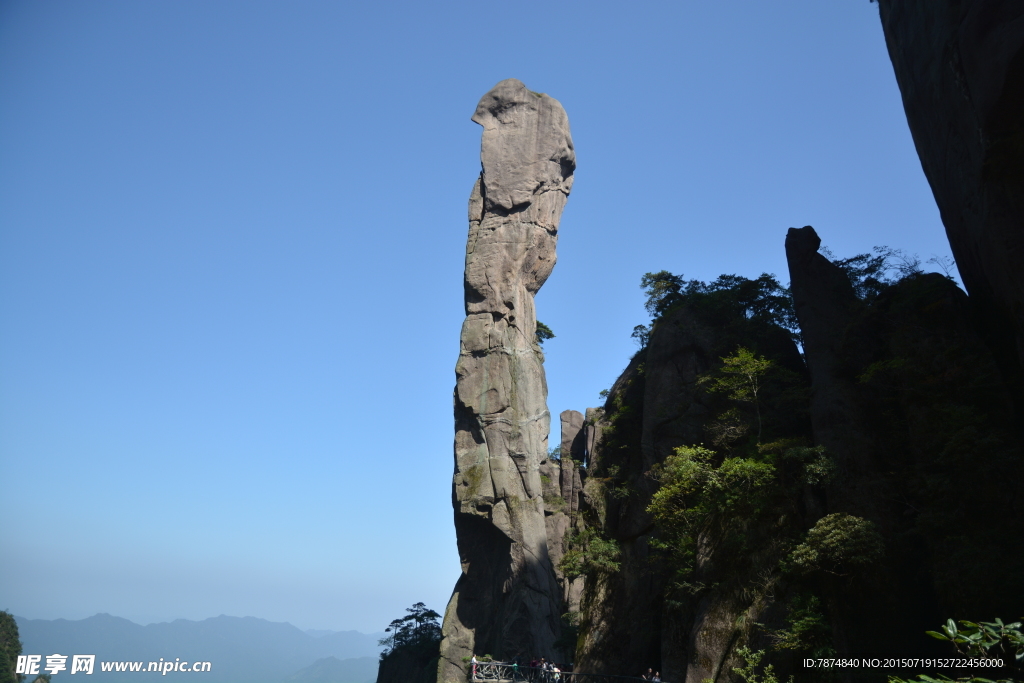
(241,649)
(334,670)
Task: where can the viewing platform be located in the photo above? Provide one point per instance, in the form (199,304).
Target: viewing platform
(508,672)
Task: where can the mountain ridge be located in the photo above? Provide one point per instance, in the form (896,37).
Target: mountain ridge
(240,648)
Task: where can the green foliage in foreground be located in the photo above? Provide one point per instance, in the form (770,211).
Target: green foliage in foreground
(972,640)
(981,640)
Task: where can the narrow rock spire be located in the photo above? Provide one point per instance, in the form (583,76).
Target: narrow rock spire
(507,602)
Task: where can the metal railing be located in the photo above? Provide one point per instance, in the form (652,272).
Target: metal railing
(509,672)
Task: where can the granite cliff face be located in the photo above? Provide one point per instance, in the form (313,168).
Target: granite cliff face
(960,69)
(508,601)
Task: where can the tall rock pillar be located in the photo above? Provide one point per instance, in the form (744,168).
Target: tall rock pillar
(507,601)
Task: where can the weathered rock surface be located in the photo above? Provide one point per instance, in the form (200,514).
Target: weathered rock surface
(960,69)
(563,511)
(561,482)
(573,442)
(507,601)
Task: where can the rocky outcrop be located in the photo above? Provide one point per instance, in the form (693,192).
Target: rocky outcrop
(917,425)
(826,305)
(633,618)
(562,509)
(911,405)
(960,69)
(507,601)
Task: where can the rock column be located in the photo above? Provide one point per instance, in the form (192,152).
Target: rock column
(507,602)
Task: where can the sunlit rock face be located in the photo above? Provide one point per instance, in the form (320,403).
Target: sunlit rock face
(507,601)
(960,69)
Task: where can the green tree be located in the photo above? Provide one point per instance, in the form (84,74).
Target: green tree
(807,630)
(701,499)
(589,553)
(694,491)
(10,648)
(418,630)
(663,290)
(642,335)
(872,273)
(543,333)
(749,674)
(762,300)
(838,544)
(742,375)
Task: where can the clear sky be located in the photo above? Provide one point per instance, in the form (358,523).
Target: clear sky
(231,249)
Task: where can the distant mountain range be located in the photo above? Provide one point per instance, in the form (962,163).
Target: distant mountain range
(331,669)
(241,649)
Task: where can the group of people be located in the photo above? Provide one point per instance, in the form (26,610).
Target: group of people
(545,671)
(539,670)
(649,675)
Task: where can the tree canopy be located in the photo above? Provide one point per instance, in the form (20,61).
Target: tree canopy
(418,630)
(543,333)
(763,299)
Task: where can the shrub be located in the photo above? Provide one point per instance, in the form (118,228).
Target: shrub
(838,544)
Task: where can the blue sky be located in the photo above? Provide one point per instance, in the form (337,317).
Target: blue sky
(231,250)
